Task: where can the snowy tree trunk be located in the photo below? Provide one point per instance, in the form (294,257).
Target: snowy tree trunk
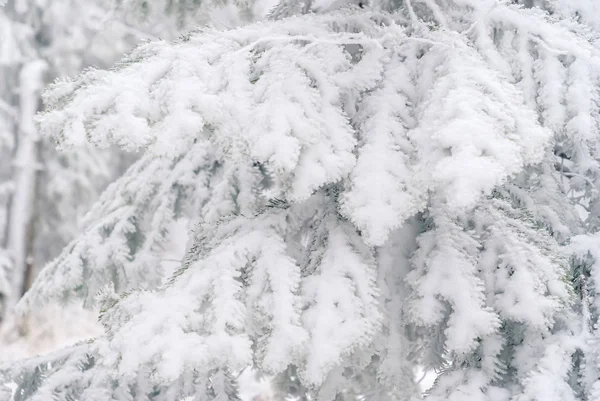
(20,235)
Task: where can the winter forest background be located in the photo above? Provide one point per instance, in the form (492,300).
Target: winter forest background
(223,200)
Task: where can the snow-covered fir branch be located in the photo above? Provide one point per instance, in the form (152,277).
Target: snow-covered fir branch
(372,188)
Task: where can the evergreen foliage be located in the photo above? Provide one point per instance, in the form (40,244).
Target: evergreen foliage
(373,187)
